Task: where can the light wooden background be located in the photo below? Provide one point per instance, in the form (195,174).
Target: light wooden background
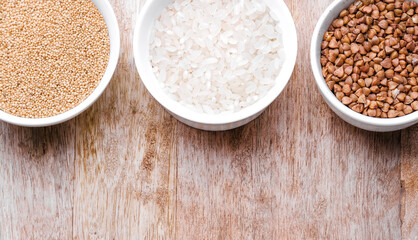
(125,169)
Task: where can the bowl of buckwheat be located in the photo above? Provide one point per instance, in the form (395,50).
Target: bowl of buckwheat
(364,57)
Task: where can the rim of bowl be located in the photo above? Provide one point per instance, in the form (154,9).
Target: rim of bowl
(182,111)
(328,95)
(109,16)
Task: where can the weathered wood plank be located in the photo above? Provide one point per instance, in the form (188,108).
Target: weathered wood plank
(409,180)
(125,176)
(36,177)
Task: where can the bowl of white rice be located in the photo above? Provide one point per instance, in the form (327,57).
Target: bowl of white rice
(215,64)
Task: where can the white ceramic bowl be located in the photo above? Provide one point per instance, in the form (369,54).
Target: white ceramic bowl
(348,115)
(109,16)
(151,11)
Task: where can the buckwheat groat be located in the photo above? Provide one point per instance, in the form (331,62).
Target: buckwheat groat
(370,57)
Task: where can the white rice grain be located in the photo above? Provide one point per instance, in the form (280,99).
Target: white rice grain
(217,56)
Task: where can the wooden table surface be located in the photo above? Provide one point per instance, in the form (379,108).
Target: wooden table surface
(125,169)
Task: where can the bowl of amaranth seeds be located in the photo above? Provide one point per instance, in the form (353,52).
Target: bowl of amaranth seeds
(57,58)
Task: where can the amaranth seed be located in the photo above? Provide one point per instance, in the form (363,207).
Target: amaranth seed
(53,55)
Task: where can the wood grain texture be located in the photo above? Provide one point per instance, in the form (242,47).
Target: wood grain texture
(36,174)
(124,174)
(409,182)
(125,169)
